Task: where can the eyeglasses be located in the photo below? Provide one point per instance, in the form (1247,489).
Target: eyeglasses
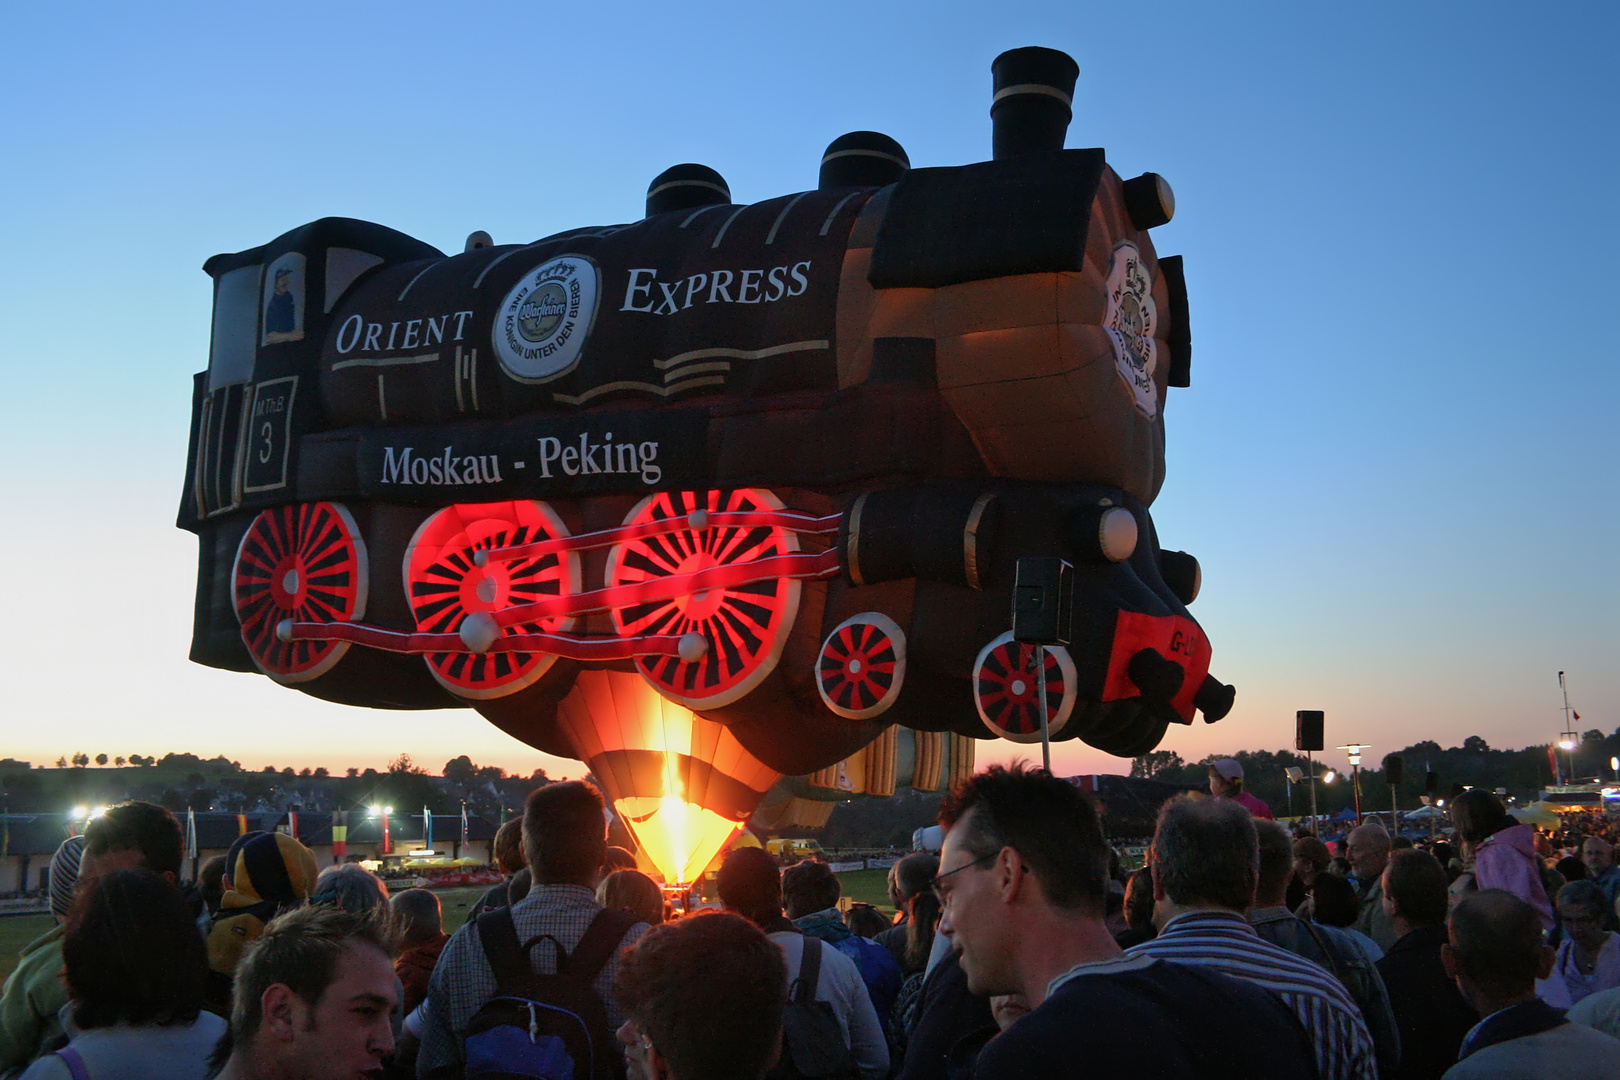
(934,884)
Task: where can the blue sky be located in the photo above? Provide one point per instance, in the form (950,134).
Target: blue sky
(1397,461)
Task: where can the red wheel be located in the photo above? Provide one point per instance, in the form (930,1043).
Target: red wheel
(862,665)
(304,562)
(445,586)
(746,625)
(1008,697)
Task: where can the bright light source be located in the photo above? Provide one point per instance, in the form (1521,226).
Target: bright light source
(1566,744)
(1439,802)
(80,813)
(374,811)
(1614,763)
(1329,776)
(680,838)
(388,809)
(98,811)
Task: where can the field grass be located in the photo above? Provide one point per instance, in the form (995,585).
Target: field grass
(868,886)
(17,931)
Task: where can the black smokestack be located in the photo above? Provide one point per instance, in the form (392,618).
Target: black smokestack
(1034,89)
(862,159)
(686,187)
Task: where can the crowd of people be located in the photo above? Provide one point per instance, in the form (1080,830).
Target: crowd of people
(1022,949)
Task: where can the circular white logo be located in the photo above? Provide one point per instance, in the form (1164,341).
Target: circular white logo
(544,320)
(1130,321)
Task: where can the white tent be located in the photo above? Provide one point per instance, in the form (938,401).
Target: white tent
(1426,813)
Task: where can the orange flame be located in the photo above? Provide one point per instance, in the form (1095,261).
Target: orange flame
(679,837)
(645,750)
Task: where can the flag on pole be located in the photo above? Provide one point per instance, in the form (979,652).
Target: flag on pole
(1576,715)
(427,829)
(241,825)
(340,835)
(1552,759)
(292,824)
(463,827)
(191,834)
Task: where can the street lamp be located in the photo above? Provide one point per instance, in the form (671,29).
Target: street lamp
(1354,750)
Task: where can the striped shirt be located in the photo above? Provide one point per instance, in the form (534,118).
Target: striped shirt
(1226,942)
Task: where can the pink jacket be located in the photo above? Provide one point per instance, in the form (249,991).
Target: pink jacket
(1508,860)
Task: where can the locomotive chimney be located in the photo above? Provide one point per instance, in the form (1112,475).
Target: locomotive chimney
(1034,89)
(862,159)
(686,187)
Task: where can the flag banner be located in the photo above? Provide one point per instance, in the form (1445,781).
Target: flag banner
(340,835)
(463,826)
(292,824)
(191,834)
(241,825)
(427,828)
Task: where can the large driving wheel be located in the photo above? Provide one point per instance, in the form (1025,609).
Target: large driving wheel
(304,562)
(746,626)
(1007,693)
(445,585)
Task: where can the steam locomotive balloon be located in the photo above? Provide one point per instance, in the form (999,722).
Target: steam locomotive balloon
(722,494)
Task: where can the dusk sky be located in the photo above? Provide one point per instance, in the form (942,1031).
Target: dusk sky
(1396,463)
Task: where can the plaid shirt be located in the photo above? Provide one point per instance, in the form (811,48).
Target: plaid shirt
(1226,942)
(462,980)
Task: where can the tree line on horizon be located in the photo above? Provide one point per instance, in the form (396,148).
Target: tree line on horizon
(1522,772)
(184,781)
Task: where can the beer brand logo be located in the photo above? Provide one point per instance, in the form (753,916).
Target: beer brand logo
(1130,321)
(542,324)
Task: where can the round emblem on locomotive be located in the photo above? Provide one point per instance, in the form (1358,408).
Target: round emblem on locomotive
(543,322)
(1130,321)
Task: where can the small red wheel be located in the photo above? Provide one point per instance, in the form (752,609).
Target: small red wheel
(445,586)
(1009,698)
(862,666)
(746,626)
(305,562)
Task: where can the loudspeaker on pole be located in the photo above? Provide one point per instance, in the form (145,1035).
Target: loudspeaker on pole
(1308,725)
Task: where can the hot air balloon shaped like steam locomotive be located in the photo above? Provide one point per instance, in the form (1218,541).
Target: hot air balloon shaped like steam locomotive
(719,495)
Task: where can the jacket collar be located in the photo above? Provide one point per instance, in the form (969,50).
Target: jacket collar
(1514,1022)
(1423,939)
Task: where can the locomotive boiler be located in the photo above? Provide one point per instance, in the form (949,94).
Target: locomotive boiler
(725,493)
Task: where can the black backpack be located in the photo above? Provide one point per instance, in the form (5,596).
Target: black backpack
(545,1027)
(813,1046)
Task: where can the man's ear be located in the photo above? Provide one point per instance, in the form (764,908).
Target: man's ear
(1012,873)
(1448,960)
(1158,885)
(1544,962)
(280,1009)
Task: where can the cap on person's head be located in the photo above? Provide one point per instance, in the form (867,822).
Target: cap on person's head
(65,874)
(275,867)
(1228,768)
(236,850)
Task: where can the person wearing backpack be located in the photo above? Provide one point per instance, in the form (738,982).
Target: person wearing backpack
(527,990)
(811,891)
(830,1030)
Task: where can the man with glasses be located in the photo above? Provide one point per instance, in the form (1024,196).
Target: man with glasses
(1023,882)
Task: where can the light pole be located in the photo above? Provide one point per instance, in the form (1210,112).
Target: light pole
(1567,743)
(1354,750)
